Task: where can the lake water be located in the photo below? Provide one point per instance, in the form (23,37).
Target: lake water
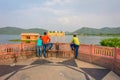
(4,39)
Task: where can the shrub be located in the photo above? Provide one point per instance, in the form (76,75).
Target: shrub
(111,42)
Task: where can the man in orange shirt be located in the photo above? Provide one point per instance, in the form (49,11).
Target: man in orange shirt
(46,42)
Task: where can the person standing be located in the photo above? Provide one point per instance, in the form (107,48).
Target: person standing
(46,43)
(75,45)
(39,47)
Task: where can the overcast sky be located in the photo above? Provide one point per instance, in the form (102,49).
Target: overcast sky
(66,15)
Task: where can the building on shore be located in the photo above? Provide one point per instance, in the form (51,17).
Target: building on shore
(56,33)
(29,36)
(57,36)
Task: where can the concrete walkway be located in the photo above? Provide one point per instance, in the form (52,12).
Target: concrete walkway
(55,69)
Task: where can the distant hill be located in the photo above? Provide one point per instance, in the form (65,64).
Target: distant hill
(104,30)
(17,31)
(84,30)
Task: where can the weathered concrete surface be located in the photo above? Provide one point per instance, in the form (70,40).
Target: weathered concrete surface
(55,69)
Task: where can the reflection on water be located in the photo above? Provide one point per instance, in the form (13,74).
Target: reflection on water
(4,39)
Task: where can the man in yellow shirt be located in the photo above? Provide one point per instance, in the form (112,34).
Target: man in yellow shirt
(75,45)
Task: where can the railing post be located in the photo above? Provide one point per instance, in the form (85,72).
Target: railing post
(21,47)
(91,52)
(57,48)
(115,53)
(114,59)
(92,49)
(6,49)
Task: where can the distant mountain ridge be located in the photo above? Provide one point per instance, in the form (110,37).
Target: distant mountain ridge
(84,30)
(17,31)
(105,30)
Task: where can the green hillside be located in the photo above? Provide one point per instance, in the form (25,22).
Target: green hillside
(84,30)
(14,30)
(95,31)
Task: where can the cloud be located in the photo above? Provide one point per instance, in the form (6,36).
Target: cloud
(64,14)
(55,2)
(90,20)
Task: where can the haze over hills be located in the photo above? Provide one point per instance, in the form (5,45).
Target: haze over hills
(84,30)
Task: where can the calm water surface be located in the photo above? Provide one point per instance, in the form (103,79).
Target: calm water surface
(4,39)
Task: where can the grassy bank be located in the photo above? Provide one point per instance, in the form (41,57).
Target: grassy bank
(18,40)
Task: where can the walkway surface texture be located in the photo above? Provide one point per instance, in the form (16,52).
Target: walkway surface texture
(55,69)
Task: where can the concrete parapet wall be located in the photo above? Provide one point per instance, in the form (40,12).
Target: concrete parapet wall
(84,57)
(12,53)
(13,58)
(102,61)
(108,57)
(62,50)
(117,67)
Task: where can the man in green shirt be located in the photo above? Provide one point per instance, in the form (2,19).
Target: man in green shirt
(75,45)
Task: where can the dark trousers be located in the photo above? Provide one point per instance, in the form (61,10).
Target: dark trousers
(75,47)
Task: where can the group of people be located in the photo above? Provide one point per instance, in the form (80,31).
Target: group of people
(43,43)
